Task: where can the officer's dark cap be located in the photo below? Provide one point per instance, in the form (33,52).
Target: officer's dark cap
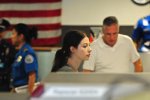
(4,25)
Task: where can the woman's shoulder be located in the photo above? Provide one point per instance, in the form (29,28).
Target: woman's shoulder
(65,68)
(28,49)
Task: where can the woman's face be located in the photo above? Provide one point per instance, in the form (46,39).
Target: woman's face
(83,50)
(15,38)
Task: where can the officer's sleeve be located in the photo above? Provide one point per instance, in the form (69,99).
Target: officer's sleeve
(137,32)
(30,63)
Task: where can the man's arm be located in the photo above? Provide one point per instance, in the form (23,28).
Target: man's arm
(138,66)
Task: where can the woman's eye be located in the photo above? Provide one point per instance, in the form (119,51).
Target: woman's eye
(84,46)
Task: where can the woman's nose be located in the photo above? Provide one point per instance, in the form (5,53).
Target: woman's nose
(89,49)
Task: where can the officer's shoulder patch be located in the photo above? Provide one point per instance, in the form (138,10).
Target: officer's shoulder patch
(145,22)
(29,59)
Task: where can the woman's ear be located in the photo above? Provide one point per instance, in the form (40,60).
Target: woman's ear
(21,37)
(72,49)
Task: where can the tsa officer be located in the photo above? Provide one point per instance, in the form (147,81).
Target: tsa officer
(141,34)
(25,66)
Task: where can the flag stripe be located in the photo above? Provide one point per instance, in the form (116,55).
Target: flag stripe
(48,34)
(44,26)
(28,1)
(54,26)
(38,20)
(46,41)
(42,34)
(39,13)
(30,7)
(48,26)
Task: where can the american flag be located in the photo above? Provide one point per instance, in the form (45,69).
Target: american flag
(44,14)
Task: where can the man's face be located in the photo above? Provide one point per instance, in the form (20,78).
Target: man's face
(110,34)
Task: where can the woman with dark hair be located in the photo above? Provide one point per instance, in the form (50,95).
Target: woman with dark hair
(25,67)
(75,49)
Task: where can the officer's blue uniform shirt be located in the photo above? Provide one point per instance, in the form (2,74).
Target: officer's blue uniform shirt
(25,62)
(142,30)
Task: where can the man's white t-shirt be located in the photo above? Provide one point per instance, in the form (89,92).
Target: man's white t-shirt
(115,59)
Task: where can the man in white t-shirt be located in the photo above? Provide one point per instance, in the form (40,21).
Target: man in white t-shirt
(112,52)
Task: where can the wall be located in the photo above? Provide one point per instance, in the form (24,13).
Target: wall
(45,61)
(92,12)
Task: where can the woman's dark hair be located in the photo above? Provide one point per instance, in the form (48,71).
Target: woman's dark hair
(29,33)
(72,38)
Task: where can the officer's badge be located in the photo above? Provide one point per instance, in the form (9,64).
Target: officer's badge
(29,59)
(19,58)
